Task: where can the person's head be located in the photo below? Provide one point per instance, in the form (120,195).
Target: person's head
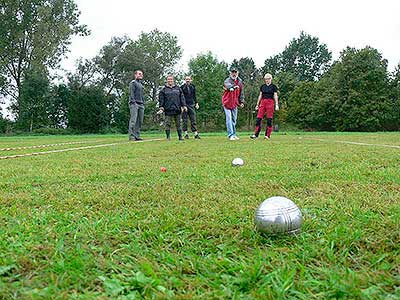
(170,80)
(188,79)
(234,73)
(138,74)
(268,78)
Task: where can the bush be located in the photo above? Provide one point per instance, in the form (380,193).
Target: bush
(53,131)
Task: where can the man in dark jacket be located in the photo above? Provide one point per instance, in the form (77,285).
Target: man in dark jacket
(136,106)
(172,103)
(189,91)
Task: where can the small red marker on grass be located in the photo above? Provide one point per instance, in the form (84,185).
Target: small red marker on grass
(163,169)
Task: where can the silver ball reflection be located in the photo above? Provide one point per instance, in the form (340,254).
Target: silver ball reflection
(278,215)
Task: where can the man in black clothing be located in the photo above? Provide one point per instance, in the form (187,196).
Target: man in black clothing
(189,91)
(172,103)
(136,106)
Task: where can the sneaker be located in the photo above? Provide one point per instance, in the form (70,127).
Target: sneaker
(181,138)
(267,138)
(138,139)
(197,136)
(237,138)
(253,136)
(232,138)
(187,136)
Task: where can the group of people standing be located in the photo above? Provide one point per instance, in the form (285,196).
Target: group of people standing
(180,102)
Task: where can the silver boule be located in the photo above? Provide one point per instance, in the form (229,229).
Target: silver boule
(278,215)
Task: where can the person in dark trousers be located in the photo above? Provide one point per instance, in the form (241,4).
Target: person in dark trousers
(189,91)
(172,103)
(136,106)
(232,97)
(267,99)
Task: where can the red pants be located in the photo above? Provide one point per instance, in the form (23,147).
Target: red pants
(266,106)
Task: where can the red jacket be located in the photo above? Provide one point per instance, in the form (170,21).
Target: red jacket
(231,99)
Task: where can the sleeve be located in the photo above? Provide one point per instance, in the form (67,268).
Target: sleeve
(182,98)
(161,98)
(241,96)
(194,94)
(228,84)
(261,90)
(132,90)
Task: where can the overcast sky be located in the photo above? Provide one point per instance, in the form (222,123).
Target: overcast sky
(234,29)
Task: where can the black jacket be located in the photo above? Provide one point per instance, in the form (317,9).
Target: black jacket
(189,91)
(171,99)
(136,92)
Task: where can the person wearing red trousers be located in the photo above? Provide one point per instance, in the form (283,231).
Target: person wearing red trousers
(267,100)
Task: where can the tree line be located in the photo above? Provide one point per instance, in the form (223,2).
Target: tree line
(354,93)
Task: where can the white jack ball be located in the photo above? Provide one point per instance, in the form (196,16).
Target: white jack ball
(237,162)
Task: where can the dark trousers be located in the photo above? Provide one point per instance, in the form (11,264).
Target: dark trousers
(192,116)
(177,119)
(136,120)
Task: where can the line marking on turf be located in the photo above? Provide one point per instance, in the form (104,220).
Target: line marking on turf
(48,145)
(73,149)
(355,143)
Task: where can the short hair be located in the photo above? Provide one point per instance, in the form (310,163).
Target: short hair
(169,75)
(267,76)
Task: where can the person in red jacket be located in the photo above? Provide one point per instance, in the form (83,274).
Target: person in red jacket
(267,99)
(232,97)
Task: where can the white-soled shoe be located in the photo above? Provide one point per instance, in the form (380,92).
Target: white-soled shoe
(236,137)
(267,138)
(232,138)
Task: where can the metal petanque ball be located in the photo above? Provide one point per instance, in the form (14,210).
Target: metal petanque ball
(237,162)
(278,215)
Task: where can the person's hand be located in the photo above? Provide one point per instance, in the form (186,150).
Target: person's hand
(197,106)
(276,107)
(241,105)
(231,89)
(183,108)
(256,108)
(236,87)
(160,111)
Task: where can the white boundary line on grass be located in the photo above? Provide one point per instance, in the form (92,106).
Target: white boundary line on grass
(355,143)
(73,149)
(48,145)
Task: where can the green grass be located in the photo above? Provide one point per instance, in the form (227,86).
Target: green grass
(105,223)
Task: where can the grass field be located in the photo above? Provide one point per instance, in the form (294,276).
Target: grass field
(105,223)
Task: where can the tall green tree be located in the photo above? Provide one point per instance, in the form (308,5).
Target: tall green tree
(353,96)
(360,89)
(305,57)
(58,106)
(208,75)
(87,109)
(34,33)
(34,100)
(393,122)
(156,53)
(112,74)
(110,66)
